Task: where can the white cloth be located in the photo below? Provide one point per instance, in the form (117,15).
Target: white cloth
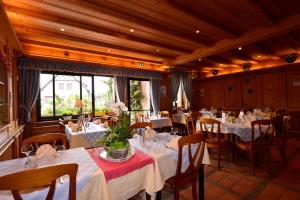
(161,122)
(165,158)
(241,129)
(88,175)
(85,139)
(179,118)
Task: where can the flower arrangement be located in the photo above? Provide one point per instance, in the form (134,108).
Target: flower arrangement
(116,137)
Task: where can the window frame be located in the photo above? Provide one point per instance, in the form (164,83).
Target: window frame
(56,117)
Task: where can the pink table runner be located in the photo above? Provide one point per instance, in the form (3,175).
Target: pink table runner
(114,170)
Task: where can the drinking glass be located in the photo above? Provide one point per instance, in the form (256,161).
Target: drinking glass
(59,149)
(174,131)
(27,149)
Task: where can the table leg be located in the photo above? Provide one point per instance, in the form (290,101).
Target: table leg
(201,182)
(233,148)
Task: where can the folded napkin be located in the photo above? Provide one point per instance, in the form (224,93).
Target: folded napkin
(75,128)
(70,123)
(98,121)
(173,144)
(149,133)
(46,150)
(105,124)
(241,116)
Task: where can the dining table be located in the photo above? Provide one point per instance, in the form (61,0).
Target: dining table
(86,137)
(99,179)
(160,122)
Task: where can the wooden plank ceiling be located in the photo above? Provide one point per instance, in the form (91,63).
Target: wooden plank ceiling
(199,36)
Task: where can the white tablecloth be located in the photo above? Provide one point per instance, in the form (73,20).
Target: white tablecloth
(165,158)
(90,181)
(241,129)
(161,122)
(84,139)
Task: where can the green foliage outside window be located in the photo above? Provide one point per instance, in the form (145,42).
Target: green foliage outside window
(136,95)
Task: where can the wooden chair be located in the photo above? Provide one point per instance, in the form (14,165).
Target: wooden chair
(261,145)
(41,177)
(190,175)
(189,124)
(214,138)
(140,125)
(164,114)
(46,138)
(113,121)
(281,137)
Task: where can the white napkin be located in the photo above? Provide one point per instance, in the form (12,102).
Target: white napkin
(223,117)
(149,133)
(173,144)
(241,116)
(75,128)
(46,150)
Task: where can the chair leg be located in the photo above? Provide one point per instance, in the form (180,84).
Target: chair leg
(282,150)
(194,189)
(176,193)
(236,156)
(219,158)
(252,162)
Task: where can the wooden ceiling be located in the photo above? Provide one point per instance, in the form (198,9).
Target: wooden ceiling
(195,35)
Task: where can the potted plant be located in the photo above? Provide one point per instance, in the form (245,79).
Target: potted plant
(3,111)
(67,115)
(115,140)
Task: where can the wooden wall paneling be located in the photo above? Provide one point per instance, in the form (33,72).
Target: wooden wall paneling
(196,95)
(293,89)
(249,91)
(270,84)
(205,93)
(164,100)
(232,93)
(216,94)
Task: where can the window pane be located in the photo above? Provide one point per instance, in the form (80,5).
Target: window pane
(103,88)
(139,95)
(65,99)
(86,82)
(46,89)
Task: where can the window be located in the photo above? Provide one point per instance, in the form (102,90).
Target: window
(104,93)
(59,92)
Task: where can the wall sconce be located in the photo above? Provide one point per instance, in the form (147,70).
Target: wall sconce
(290,58)
(215,72)
(247,66)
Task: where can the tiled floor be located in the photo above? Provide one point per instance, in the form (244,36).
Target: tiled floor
(236,182)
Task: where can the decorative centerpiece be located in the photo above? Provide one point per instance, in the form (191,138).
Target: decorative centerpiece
(115,140)
(231,117)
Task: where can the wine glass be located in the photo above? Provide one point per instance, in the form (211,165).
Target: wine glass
(174,131)
(59,149)
(27,149)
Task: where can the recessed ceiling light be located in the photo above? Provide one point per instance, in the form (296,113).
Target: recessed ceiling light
(108,50)
(62,29)
(199,59)
(221,64)
(1,83)
(259,56)
(131,30)
(197,31)
(240,48)
(157,50)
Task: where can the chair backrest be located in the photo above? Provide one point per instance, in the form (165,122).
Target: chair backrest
(140,125)
(189,123)
(266,132)
(194,140)
(164,113)
(208,126)
(182,129)
(46,138)
(41,177)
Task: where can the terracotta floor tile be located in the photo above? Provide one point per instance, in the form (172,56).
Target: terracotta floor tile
(228,196)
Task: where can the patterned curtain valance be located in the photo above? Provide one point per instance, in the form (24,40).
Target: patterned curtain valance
(61,66)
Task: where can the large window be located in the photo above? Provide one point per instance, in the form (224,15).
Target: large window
(182,100)
(139,95)
(59,92)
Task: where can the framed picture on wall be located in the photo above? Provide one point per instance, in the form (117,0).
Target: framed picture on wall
(163,91)
(296,81)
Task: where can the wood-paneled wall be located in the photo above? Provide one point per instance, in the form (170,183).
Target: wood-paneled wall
(275,88)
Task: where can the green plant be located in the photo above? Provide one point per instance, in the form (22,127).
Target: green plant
(3,110)
(136,95)
(67,114)
(117,136)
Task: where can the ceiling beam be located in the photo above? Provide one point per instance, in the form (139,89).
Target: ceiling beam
(262,33)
